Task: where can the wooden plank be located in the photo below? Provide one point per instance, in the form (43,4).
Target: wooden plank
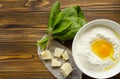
(21,34)
(45,5)
(40,19)
(30,63)
(19,67)
(28,67)
(31,18)
(26,75)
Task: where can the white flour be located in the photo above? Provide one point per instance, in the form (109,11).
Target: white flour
(86,54)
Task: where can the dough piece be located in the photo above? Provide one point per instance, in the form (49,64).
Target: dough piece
(56,63)
(66,69)
(58,52)
(46,55)
(65,56)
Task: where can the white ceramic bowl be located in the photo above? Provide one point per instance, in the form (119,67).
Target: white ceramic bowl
(106,74)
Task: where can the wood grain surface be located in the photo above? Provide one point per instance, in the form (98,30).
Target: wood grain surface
(23,22)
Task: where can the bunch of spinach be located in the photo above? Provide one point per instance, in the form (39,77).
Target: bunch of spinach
(62,25)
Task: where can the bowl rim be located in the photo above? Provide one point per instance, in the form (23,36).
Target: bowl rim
(83,68)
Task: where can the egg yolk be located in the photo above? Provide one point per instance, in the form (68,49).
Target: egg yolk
(102,48)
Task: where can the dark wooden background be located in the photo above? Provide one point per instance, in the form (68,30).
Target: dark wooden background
(23,22)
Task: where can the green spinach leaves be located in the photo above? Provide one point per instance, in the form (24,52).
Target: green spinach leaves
(64,24)
(53,13)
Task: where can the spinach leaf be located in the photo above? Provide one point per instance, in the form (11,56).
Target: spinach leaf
(63,25)
(68,36)
(57,19)
(82,21)
(73,20)
(43,45)
(79,12)
(69,33)
(44,39)
(43,42)
(67,12)
(78,20)
(53,13)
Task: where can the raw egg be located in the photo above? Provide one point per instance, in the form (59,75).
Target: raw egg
(102,48)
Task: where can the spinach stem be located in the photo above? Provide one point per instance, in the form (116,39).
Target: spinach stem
(49,38)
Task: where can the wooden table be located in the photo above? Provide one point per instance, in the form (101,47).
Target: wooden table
(22,23)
